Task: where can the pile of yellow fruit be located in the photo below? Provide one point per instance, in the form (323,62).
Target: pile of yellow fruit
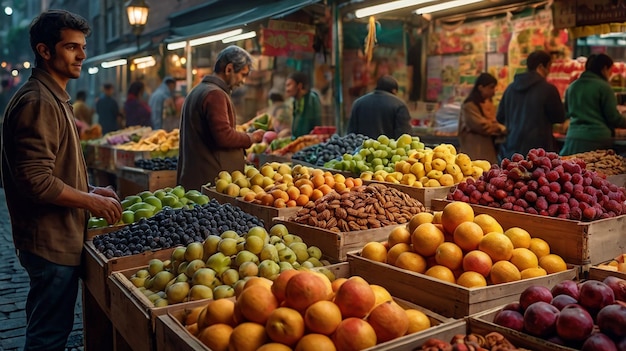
(441,166)
(157,140)
(458,247)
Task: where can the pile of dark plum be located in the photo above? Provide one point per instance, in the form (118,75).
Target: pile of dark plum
(544,184)
(174,227)
(158,164)
(331,149)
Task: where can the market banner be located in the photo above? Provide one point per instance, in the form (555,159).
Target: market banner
(570,13)
(283,38)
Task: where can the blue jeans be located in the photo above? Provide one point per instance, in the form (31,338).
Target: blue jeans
(50,303)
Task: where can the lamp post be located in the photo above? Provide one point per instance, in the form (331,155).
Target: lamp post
(137,11)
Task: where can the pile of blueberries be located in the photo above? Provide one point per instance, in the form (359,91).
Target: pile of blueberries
(331,149)
(175,227)
(157,164)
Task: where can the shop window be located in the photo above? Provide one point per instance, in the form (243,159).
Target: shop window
(113,21)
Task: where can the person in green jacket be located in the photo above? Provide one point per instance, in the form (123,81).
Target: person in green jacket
(307,108)
(591,107)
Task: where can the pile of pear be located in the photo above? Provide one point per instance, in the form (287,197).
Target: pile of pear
(219,266)
(441,166)
(254,179)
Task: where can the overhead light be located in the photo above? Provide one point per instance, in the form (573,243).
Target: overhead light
(144,62)
(204,40)
(114,63)
(15,73)
(26,64)
(8,11)
(444,6)
(390,6)
(143,59)
(92,70)
(243,36)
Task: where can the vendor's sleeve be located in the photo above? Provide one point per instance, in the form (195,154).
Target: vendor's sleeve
(218,109)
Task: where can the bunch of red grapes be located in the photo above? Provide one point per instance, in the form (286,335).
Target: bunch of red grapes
(544,184)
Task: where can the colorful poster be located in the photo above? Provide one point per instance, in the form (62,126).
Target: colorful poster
(433,78)
(450,77)
(464,39)
(286,42)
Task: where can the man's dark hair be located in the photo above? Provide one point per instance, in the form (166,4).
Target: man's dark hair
(135,88)
(300,78)
(107,86)
(81,95)
(537,58)
(597,62)
(387,83)
(239,57)
(46,28)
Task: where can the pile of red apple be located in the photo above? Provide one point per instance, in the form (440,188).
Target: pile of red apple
(586,316)
(544,184)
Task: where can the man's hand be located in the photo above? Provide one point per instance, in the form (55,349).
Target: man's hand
(106,204)
(256,136)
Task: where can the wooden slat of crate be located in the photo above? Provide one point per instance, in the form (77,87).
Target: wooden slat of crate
(266,213)
(424,195)
(482,323)
(98,268)
(579,243)
(335,246)
(448,299)
(601,274)
(104,157)
(221,198)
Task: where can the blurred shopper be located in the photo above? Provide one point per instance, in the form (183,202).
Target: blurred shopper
(82,111)
(380,112)
(45,180)
(307,108)
(477,121)
(209,142)
(136,111)
(163,109)
(591,107)
(108,110)
(281,114)
(5,95)
(529,107)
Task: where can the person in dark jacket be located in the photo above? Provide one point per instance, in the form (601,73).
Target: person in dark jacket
(592,108)
(209,140)
(529,107)
(136,110)
(380,112)
(107,109)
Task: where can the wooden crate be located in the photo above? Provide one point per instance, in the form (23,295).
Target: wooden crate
(266,213)
(98,268)
(221,198)
(127,158)
(424,195)
(618,179)
(450,300)
(104,157)
(482,323)
(171,335)
(335,246)
(579,243)
(601,274)
(133,315)
(133,180)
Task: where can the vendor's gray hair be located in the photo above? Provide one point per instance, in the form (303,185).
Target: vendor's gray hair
(239,57)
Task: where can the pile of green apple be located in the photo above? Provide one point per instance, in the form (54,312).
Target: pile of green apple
(220,265)
(377,154)
(146,204)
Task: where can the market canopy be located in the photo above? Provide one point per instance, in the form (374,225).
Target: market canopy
(231,19)
(117,54)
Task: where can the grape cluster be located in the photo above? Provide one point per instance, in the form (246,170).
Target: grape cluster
(331,149)
(158,164)
(173,227)
(544,184)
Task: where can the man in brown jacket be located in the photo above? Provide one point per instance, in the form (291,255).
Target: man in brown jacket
(45,179)
(209,142)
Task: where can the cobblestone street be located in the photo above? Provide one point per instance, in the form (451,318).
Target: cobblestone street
(13,291)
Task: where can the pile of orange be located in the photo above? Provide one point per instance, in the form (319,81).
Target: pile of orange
(309,184)
(303,311)
(457,246)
